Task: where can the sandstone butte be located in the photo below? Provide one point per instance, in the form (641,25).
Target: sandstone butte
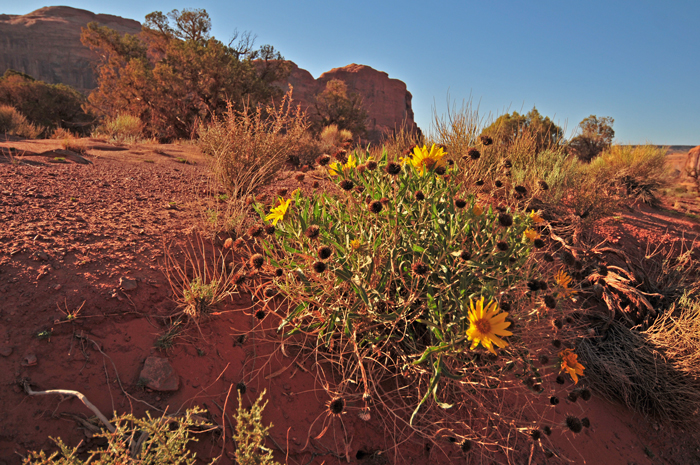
(46,45)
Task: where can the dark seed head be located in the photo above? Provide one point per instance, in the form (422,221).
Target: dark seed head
(533,285)
(554,400)
(419,195)
(384,201)
(586,422)
(440,170)
(241,387)
(505,220)
(279,272)
(371,165)
(573,396)
(314,184)
(465,255)
(460,203)
(536,434)
(547,430)
(300,177)
(543,285)
(520,190)
(466,445)
(473,153)
(479,182)
(392,168)
(574,424)
(450,162)
(502,246)
(238,279)
(585,394)
(543,185)
(558,323)
(255,230)
(543,359)
(603,270)
(507,164)
(312,231)
(323,160)
(337,406)
(486,140)
(346,184)
(319,267)
(548,258)
(260,314)
(538,243)
(556,343)
(498,183)
(567,258)
(256,261)
(505,306)
(419,268)
(269,229)
(560,379)
(361,169)
(270,292)
(375,206)
(569,320)
(324,252)
(281,192)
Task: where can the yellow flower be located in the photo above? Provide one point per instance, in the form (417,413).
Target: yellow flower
(277,213)
(563,280)
(355,244)
(569,363)
(531,235)
(335,168)
(477,210)
(424,159)
(535,217)
(486,324)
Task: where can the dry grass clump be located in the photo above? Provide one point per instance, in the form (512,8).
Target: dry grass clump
(652,372)
(14,123)
(123,128)
(634,172)
(251,146)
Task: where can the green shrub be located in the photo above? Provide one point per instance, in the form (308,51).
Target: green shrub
(14,123)
(251,146)
(122,128)
(250,434)
(635,172)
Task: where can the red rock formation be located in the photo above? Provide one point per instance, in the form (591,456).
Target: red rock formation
(46,44)
(386,100)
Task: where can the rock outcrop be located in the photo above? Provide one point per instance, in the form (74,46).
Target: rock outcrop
(46,44)
(387,101)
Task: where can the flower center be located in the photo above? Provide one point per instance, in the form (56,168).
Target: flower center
(483,326)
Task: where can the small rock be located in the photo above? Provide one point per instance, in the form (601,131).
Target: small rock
(57,287)
(159,375)
(41,255)
(126,284)
(5,351)
(29,360)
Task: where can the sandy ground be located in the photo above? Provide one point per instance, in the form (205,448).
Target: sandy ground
(89,240)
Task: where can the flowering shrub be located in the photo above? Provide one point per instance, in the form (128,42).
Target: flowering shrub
(408,255)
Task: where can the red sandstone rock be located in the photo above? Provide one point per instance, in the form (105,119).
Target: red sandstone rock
(159,375)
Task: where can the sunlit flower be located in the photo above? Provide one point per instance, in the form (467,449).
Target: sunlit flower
(424,159)
(477,210)
(563,280)
(535,217)
(486,324)
(531,234)
(570,364)
(277,213)
(355,244)
(335,168)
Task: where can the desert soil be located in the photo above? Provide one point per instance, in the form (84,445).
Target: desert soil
(89,240)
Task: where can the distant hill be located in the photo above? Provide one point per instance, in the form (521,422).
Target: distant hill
(46,45)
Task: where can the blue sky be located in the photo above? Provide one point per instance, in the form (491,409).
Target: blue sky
(637,61)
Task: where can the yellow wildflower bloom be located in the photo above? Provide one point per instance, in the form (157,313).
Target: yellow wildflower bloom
(335,168)
(477,210)
(531,234)
(424,159)
(570,364)
(563,280)
(535,217)
(355,244)
(277,213)
(486,324)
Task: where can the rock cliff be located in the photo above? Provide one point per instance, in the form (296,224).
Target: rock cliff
(387,101)
(46,44)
